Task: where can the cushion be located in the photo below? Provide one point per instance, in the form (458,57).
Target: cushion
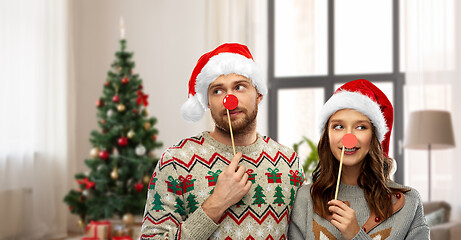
(435,217)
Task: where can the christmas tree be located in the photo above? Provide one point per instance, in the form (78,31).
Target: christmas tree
(259,196)
(278,196)
(121,160)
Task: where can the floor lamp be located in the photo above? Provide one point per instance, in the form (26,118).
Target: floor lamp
(428,130)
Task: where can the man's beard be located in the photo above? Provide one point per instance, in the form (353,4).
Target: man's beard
(240,126)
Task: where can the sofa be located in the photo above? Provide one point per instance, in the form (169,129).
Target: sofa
(438,218)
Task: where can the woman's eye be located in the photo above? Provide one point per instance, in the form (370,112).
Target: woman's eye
(361,127)
(338,126)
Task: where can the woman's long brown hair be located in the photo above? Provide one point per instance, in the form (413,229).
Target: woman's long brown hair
(374,175)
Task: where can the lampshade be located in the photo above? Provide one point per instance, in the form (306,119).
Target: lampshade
(432,127)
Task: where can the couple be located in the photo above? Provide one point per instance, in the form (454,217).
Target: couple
(200,190)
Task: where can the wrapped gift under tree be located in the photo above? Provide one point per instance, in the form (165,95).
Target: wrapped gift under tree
(98,230)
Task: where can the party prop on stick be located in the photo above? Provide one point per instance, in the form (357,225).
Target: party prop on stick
(349,141)
(230,102)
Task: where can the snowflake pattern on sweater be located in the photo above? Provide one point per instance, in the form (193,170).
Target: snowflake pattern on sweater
(186,176)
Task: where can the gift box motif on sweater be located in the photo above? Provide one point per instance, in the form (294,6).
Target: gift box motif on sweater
(296,179)
(152,181)
(251,175)
(174,186)
(187,183)
(213,177)
(273,176)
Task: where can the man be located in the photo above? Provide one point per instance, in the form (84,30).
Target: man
(199,190)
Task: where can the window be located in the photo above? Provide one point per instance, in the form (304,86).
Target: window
(315,46)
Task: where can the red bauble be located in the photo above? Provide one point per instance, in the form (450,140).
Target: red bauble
(106,83)
(140,86)
(99,103)
(135,110)
(154,137)
(116,99)
(139,186)
(123,141)
(103,154)
(103,121)
(125,80)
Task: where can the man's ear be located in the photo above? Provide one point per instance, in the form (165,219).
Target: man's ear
(259,98)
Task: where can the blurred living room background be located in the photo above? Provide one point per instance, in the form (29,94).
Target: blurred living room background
(55,55)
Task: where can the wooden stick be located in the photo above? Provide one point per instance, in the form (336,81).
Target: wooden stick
(339,173)
(230,127)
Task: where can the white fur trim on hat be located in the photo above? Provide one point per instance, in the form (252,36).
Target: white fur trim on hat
(192,110)
(223,64)
(357,101)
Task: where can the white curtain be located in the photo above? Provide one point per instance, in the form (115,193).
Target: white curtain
(244,22)
(432,67)
(34,118)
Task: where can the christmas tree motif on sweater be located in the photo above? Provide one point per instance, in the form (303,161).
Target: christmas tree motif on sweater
(292,197)
(213,177)
(152,181)
(273,176)
(180,207)
(157,203)
(191,203)
(278,196)
(251,175)
(240,203)
(259,196)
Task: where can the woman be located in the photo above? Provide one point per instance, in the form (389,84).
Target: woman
(369,205)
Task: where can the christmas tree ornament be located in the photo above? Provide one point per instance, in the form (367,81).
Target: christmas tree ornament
(128,219)
(114,173)
(140,87)
(139,186)
(99,103)
(110,113)
(151,154)
(121,107)
(103,121)
(94,152)
(103,154)
(125,80)
(140,150)
(130,134)
(88,193)
(118,69)
(146,179)
(122,142)
(146,112)
(115,153)
(147,125)
(80,223)
(135,110)
(154,137)
(106,83)
(116,99)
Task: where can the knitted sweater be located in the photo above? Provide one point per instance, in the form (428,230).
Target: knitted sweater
(407,221)
(186,176)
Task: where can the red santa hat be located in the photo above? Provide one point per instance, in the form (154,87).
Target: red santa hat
(365,97)
(226,59)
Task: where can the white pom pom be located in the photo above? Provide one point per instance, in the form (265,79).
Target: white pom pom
(192,110)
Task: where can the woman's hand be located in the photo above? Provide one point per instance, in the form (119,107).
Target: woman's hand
(344,219)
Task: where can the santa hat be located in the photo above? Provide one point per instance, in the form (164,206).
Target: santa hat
(365,97)
(226,59)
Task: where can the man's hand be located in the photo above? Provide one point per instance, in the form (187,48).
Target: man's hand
(344,219)
(230,188)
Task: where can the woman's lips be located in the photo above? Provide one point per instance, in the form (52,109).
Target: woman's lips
(350,151)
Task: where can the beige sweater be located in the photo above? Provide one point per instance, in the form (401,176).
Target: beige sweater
(186,175)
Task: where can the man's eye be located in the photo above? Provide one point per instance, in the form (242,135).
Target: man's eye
(240,87)
(217,91)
